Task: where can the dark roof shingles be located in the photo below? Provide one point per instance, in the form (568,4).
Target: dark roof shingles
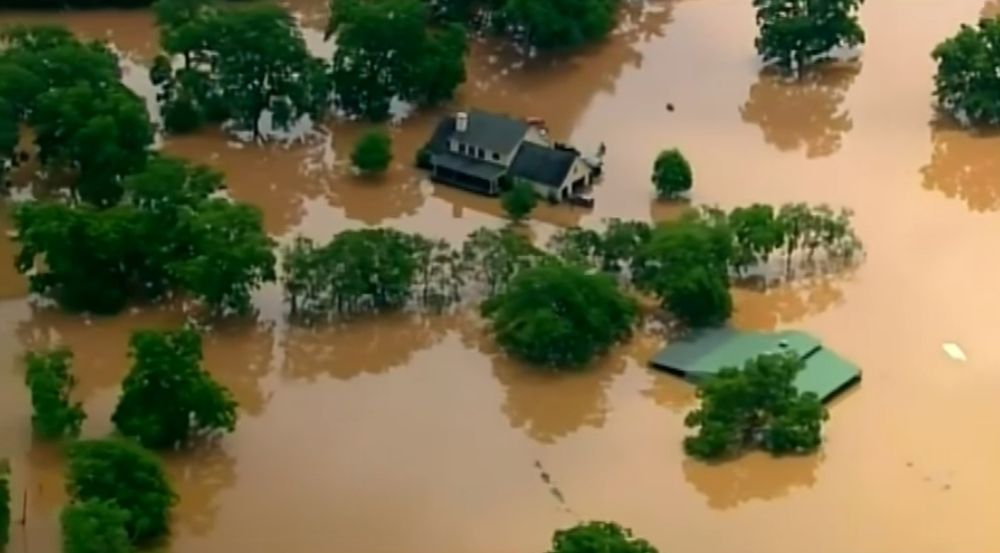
(542,165)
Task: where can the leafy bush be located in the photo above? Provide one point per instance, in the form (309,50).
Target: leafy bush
(50,381)
(122,474)
(373,153)
(559,316)
(671,174)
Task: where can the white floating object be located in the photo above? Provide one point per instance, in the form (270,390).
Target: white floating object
(952,350)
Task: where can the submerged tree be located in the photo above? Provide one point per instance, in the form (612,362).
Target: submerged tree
(50,381)
(238,64)
(557,24)
(387,50)
(358,271)
(559,316)
(686,264)
(86,123)
(797,33)
(519,201)
(494,257)
(967,83)
(167,234)
(671,174)
(373,153)
(95,526)
(122,474)
(756,406)
(598,537)
(167,397)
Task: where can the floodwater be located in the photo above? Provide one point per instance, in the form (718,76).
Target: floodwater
(413,434)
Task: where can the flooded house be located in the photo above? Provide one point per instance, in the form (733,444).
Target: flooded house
(486,152)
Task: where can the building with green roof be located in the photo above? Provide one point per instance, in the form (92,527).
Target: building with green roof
(705,352)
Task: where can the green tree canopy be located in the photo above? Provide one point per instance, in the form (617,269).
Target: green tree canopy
(757,406)
(373,153)
(95,526)
(167,234)
(672,174)
(50,381)
(560,316)
(239,63)
(167,398)
(686,264)
(122,474)
(387,49)
(598,537)
(100,134)
(797,33)
(87,123)
(556,24)
(967,83)
(519,201)
(358,271)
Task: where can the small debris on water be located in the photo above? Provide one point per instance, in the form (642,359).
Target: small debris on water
(952,350)
(670,106)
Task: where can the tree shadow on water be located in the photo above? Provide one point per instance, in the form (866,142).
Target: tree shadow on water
(198,476)
(784,303)
(990,9)
(805,114)
(371,345)
(550,405)
(965,165)
(754,476)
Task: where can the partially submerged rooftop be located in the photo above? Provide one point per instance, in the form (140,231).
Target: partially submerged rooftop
(706,352)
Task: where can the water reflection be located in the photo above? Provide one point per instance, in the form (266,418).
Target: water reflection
(803,115)
(239,354)
(99,344)
(754,476)
(12,284)
(546,405)
(966,166)
(131,32)
(990,9)
(198,476)
(373,345)
(785,303)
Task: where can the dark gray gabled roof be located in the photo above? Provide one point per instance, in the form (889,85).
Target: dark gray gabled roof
(496,133)
(542,165)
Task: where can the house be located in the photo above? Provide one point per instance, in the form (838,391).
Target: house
(486,152)
(706,352)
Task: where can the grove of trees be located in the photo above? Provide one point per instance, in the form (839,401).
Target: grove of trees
(169,234)
(756,407)
(121,474)
(598,537)
(391,49)
(558,24)
(967,83)
(50,382)
(167,397)
(236,64)
(86,123)
(559,315)
(794,34)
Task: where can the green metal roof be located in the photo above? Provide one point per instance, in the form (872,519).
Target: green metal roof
(706,352)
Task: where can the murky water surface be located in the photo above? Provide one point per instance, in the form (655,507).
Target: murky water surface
(412,434)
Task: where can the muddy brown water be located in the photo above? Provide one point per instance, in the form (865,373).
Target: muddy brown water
(413,434)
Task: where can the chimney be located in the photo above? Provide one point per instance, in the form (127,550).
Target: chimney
(461,121)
